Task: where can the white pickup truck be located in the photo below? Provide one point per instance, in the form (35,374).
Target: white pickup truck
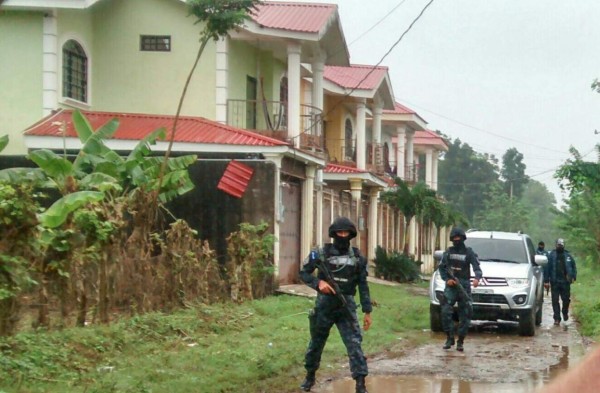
(512,287)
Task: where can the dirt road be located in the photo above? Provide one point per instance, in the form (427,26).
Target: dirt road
(496,359)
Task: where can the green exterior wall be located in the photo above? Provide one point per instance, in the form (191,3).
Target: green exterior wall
(258,64)
(20,75)
(129,80)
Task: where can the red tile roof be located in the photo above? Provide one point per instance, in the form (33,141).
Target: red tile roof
(300,17)
(430,138)
(349,77)
(134,126)
(400,110)
(336,168)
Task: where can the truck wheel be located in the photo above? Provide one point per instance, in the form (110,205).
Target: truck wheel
(527,323)
(435,318)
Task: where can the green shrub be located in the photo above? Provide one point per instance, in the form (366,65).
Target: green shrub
(395,266)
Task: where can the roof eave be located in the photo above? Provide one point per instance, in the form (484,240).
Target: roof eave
(368,178)
(48,4)
(58,143)
(415,121)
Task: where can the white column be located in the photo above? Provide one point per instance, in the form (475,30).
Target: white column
(412,244)
(278,213)
(356,191)
(319,205)
(318,67)
(377,112)
(382,219)
(434,167)
(222,77)
(410,154)
(373,223)
(361,137)
(429,168)
(400,152)
(293,53)
(308,188)
(50,64)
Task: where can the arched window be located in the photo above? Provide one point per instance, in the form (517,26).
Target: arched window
(349,142)
(75,77)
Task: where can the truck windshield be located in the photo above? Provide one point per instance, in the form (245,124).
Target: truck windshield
(499,250)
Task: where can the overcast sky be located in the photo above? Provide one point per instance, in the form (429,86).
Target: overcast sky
(495,73)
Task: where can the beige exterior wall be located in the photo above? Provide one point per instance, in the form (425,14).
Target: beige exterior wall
(335,127)
(20,75)
(126,79)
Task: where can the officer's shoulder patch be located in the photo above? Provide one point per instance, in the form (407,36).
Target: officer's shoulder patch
(314,254)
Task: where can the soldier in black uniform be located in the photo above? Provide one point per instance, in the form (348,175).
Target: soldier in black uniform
(349,270)
(454,270)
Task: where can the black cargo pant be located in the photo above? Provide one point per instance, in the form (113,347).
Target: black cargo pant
(560,289)
(329,311)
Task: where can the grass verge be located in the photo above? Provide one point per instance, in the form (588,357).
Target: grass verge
(254,347)
(586,304)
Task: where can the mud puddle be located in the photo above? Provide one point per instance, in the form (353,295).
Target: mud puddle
(496,360)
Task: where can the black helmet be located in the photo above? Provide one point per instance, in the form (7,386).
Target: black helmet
(458,232)
(342,224)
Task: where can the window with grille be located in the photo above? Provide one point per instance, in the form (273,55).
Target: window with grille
(74,71)
(155,43)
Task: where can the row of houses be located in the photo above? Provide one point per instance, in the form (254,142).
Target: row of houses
(286,129)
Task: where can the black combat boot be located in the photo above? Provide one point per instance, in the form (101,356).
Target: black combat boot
(360,384)
(449,342)
(460,344)
(309,381)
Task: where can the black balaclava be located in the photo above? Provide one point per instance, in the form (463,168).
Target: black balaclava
(342,224)
(458,243)
(341,243)
(458,232)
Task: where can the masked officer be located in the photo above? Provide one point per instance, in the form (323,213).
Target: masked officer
(455,271)
(560,272)
(348,269)
(541,249)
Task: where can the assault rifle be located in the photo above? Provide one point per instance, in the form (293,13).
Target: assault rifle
(462,291)
(323,268)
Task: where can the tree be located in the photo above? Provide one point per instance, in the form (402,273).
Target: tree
(501,213)
(465,176)
(219,18)
(513,172)
(422,202)
(540,203)
(581,218)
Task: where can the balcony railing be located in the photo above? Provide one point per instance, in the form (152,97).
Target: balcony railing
(342,151)
(270,118)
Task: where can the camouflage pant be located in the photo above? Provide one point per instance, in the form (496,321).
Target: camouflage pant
(328,312)
(452,296)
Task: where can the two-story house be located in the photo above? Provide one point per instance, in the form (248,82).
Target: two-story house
(278,95)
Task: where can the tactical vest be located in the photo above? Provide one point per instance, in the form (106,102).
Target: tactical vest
(458,264)
(344,268)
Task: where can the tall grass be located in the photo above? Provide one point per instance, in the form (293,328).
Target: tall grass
(586,303)
(257,346)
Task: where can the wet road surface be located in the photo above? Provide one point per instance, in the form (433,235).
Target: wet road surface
(496,360)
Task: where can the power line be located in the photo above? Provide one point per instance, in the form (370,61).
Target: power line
(482,130)
(516,179)
(389,13)
(372,68)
